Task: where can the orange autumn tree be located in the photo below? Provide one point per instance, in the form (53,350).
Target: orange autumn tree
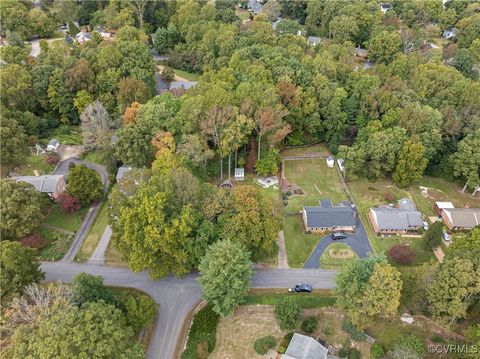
(130,115)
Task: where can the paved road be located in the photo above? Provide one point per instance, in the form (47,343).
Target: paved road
(177,297)
(358,241)
(98,256)
(63,169)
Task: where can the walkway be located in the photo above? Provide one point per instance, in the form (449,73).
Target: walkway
(98,256)
(282,252)
(358,241)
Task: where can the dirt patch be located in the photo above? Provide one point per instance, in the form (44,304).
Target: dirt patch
(175,78)
(237,333)
(291,187)
(68,151)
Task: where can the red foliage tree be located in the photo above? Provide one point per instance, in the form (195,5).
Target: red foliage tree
(34,240)
(52,160)
(402,254)
(389,197)
(68,202)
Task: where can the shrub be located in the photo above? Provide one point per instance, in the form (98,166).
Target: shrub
(287,312)
(68,203)
(353,353)
(328,331)
(389,197)
(408,343)
(88,288)
(355,333)
(377,351)
(262,345)
(268,164)
(140,311)
(167,74)
(433,236)
(203,330)
(286,339)
(402,254)
(309,325)
(343,353)
(34,240)
(52,159)
(281,349)
(436,338)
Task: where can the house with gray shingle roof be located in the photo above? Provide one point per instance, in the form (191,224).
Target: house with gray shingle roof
(53,185)
(461,218)
(303,347)
(327,217)
(400,219)
(121,172)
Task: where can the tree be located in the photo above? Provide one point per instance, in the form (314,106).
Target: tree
(15,18)
(465,62)
(434,235)
(384,46)
(14,54)
(225,276)
(466,161)
(402,254)
(19,268)
(453,289)
(88,288)
(14,141)
(99,330)
(96,127)
(84,184)
(167,74)
(251,222)
(287,312)
(467,248)
(140,310)
(287,26)
(165,38)
(468,30)
(16,87)
(272,9)
(20,209)
(367,289)
(41,24)
(268,165)
(82,99)
(68,203)
(410,165)
(34,240)
(132,90)
(80,77)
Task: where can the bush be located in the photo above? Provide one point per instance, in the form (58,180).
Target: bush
(203,330)
(343,353)
(87,288)
(287,312)
(268,164)
(52,159)
(286,339)
(34,240)
(262,345)
(402,254)
(281,349)
(68,202)
(355,333)
(328,331)
(433,236)
(389,197)
(140,311)
(408,343)
(309,325)
(377,351)
(436,338)
(167,74)
(353,354)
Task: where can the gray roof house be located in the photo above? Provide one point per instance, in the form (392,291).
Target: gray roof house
(314,40)
(53,144)
(53,185)
(461,218)
(327,217)
(398,219)
(121,172)
(303,347)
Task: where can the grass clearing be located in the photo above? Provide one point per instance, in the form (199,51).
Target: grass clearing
(32,163)
(298,245)
(317,181)
(336,255)
(94,235)
(67,221)
(66,135)
(316,299)
(113,257)
(95,157)
(189,76)
(423,253)
(318,149)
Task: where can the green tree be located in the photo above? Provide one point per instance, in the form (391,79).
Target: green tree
(95,330)
(468,30)
(82,100)
(225,275)
(434,235)
(287,312)
(16,87)
(89,288)
(455,286)
(140,310)
(42,25)
(168,74)
(368,289)
(272,9)
(467,248)
(85,184)
(165,38)
(287,26)
(14,141)
(465,62)
(20,209)
(466,161)
(15,18)
(268,164)
(384,46)
(410,165)
(19,267)
(14,54)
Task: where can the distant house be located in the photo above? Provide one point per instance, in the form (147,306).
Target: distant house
(330,161)
(328,217)
(450,33)
(461,218)
(400,219)
(314,40)
(121,172)
(182,85)
(303,347)
(53,185)
(255,6)
(438,207)
(386,7)
(53,145)
(359,52)
(103,33)
(239,174)
(83,37)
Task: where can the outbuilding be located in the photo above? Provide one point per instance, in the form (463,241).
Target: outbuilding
(239,174)
(330,161)
(53,145)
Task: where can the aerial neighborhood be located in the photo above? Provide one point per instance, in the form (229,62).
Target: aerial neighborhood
(248,179)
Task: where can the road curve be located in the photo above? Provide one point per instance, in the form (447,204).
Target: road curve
(178,296)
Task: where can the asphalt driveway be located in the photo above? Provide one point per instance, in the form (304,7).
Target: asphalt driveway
(358,241)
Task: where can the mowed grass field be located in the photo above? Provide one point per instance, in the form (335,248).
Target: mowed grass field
(298,245)
(336,255)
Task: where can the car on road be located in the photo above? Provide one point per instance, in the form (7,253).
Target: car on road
(446,236)
(338,235)
(302,287)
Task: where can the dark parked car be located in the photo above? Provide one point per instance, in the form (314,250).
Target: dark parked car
(301,288)
(338,235)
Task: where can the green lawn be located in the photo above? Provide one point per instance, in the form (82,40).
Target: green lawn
(317,181)
(316,299)
(94,235)
(243,14)
(298,245)
(320,149)
(57,244)
(423,253)
(32,163)
(336,255)
(113,257)
(68,221)
(66,135)
(190,76)
(95,157)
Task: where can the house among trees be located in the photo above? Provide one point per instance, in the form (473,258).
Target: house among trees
(400,219)
(328,217)
(53,144)
(314,40)
(450,33)
(461,218)
(303,347)
(386,7)
(83,37)
(53,185)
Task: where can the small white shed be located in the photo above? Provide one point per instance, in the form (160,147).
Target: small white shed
(53,144)
(330,161)
(239,174)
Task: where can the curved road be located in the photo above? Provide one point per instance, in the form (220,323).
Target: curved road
(177,297)
(63,169)
(358,241)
